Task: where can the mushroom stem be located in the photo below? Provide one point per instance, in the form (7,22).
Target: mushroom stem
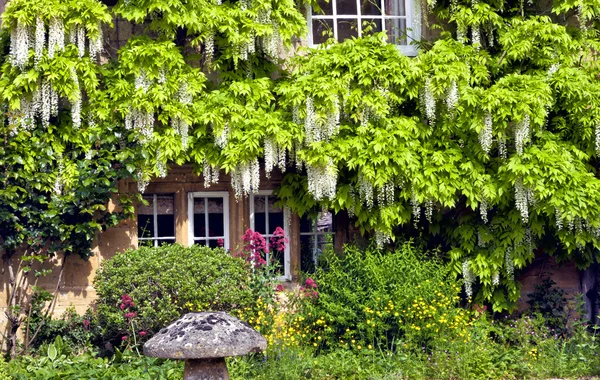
(205,369)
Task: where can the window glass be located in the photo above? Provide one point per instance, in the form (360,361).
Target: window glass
(316,236)
(266,217)
(210,218)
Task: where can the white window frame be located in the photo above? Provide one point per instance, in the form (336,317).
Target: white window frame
(208,194)
(413,30)
(155,238)
(314,233)
(287,276)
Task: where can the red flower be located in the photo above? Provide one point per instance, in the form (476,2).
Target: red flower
(220,242)
(311,283)
(143,333)
(278,241)
(279,288)
(86,324)
(124,337)
(122,306)
(130,315)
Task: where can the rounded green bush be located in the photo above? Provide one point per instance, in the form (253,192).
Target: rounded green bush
(143,290)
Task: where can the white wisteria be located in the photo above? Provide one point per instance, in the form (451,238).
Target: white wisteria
(141,81)
(222,137)
(141,121)
(486,134)
(496,279)
(81,40)
(245,178)
(40,39)
(19,46)
(469,278)
(365,191)
(502,152)
(452,96)
(559,219)
(382,238)
(429,102)
(385,196)
(210,174)
(429,210)
(209,48)
(522,134)
(522,199)
(96,44)
(182,128)
(322,180)
(76,101)
(183,94)
(270,156)
(416,208)
(508,263)
(597,138)
(476,37)
(483,209)
(142,181)
(56,36)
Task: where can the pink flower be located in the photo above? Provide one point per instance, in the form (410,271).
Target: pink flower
(278,241)
(279,288)
(143,333)
(315,295)
(254,241)
(310,283)
(220,242)
(86,324)
(124,338)
(122,306)
(130,315)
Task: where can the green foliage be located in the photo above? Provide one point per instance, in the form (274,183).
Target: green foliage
(164,283)
(377,298)
(551,303)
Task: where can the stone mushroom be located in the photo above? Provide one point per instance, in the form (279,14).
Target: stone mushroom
(204,340)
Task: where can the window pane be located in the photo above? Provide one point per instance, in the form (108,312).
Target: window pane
(322,30)
(199,225)
(145,226)
(165,204)
(200,242)
(213,243)
(326,7)
(277,259)
(346,7)
(370,26)
(324,222)
(272,208)
(146,210)
(395,8)
(166,241)
(347,28)
(306,254)
(370,7)
(275,220)
(306,224)
(396,31)
(259,214)
(166,225)
(216,221)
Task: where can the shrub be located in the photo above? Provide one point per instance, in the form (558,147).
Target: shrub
(143,290)
(373,297)
(551,302)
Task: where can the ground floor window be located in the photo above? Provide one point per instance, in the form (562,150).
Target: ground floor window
(316,236)
(265,217)
(156,221)
(209,218)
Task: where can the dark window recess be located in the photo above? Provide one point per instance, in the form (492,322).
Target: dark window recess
(156,220)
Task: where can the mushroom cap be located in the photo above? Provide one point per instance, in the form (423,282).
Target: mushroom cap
(205,335)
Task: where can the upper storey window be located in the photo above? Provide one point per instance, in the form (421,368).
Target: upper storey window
(343,19)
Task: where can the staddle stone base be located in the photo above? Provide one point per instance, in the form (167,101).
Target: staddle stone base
(205,369)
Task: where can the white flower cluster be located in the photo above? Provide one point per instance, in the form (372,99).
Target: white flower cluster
(245,179)
(381,238)
(385,196)
(452,96)
(365,191)
(429,102)
(522,134)
(209,48)
(559,219)
(221,139)
(581,15)
(509,264)
(76,103)
(40,39)
(210,174)
(310,121)
(56,36)
(480,242)
(272,42)
(416,208)
(183,94)
(528,240)
(553,69)
(296,115)
(182,128)
(270,154)
(97,44)
(483,210)
(142,181)
(247,48)
(468,277)
(502,152)
(245,4)
(140,121)
(45,102)
(19,46)
(141,81)
(476,37)
(161,167)
(429,210)
(80,40)
(522,199)
(496,279)
(332,124)
(322,180)
(486,134)
(597,138)
(58,184)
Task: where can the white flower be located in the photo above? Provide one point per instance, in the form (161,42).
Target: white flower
(522,200)
(270,155)
(468,277)
(452,96)
(141,81)
(522,134)
(96,44)
(429,210)
(485,135)
(385,196)
(476,37)
(322,181)
(508,262)
(365,191)
(40,39)
(496,279)
(429,102)
(416,208)
(483,210)
(209,48)
(56,36)
(81,40)
(76,102)
(19,46)
(210,174)
(559,219)
(382,238)
(183,94)
(245,179)
(502,148)
(221,139)
(142,181)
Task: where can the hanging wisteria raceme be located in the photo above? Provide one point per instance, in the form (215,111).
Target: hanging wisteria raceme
(56,36)
(272,42)
(296,115)
(468,277)
(509,264)
(490,35)
(46,102)
(522,199)
(209,48)
(429,102)
(452,96)
(142,181)
(486,134)
(483,210)
(322,180)
(496,279)
(76,103)
(382,238)
(385,196)
(528,239)
(245,179)
(162,76)
(53,101)
(210,174)
(416,208)
(270,155)
(281,158)
(480,242)
(365,191)
(522,134)
(461,32)
(19,46)
(559,219)
(140,121)
(81,40)
(161,167)
(73,35)
(182,128)
(141,81)
(183,94)
(311,129)
(597,138)
(502,152)
(476,37)
(429,210)
(40,40)
(332,125)
(27,114)
(96,44)
(221,138)
(581,15)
